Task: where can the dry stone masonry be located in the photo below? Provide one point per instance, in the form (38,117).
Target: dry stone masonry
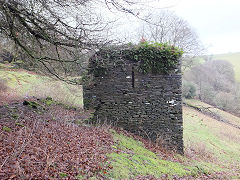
(146,104)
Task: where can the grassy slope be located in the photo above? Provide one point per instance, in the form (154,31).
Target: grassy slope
(213,141)
(231,118)
(135,160)
(234,59)
(210,147)
(23,83)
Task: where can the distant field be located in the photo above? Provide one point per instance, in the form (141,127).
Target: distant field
(234,59)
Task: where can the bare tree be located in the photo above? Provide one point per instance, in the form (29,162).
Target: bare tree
(53,33)
(58,34)
(166,27)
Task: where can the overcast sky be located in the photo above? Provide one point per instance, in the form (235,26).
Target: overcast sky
(217,22)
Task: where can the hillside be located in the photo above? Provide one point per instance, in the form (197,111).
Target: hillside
(215,140)
(234,59)
(59,142)
(21,84)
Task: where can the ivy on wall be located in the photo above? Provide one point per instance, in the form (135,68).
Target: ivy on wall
(154,58)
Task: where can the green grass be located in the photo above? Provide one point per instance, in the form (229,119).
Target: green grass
(7,129)
(234,59)
(212,141)
(231,118)
(135,160)
(24,83)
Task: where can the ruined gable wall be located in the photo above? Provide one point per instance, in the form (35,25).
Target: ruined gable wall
(145,104)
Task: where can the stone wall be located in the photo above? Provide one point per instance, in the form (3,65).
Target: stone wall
(145,104)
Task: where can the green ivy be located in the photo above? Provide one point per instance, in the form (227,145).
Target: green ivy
(155,58)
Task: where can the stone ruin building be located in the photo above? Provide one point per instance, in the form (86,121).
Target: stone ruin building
(146,104)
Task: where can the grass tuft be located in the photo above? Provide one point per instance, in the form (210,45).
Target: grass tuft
(6,129)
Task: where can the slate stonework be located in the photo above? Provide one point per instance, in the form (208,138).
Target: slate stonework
(145,104)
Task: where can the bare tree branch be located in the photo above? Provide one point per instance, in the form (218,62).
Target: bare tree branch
(58,34)
(166,27)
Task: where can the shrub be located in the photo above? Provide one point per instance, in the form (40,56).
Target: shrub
(188,89)
(226,101)
(207,93)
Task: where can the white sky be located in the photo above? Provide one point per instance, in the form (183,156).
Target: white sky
(217,22)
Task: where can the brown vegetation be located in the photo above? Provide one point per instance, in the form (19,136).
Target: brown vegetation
(6,95)
(37,143)
(3,86)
